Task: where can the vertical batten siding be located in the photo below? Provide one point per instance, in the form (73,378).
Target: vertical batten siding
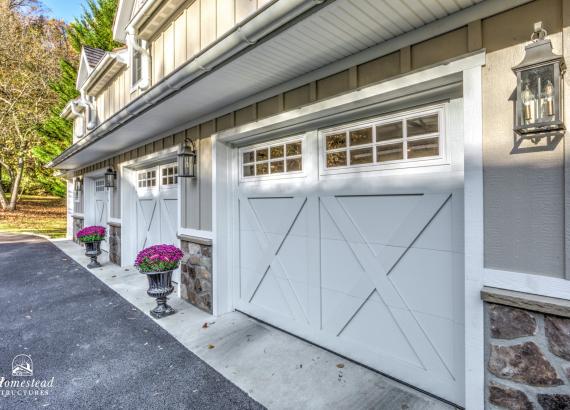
(193,27)
(193,31)
(208,11)
(180,40)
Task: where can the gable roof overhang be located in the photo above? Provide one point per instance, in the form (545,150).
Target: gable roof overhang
(88,60)
(304,50)
(109,66)
(67,112)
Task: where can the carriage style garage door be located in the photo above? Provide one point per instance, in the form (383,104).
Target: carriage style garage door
(100,209)
(353,238)
(156,212)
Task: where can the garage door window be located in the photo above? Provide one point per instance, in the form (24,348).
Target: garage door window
(169,174)
(276,158)
(147,179)
(99,185)
(395,139)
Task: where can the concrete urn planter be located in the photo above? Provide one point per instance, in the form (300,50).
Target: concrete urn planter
(92,250)
(158,262)
(159,287)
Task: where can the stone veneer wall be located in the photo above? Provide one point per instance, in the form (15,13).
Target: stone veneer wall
(196,274)
(77,226)
(115,244)
(528,359)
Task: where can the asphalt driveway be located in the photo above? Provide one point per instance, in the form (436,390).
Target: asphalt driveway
(91,348)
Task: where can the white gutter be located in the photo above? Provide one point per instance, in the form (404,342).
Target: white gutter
(241,37)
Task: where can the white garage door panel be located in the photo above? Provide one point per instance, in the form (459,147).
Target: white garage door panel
(156,212)
(378,278)
(100,210)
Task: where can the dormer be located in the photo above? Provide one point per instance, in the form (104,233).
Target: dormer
(88,60)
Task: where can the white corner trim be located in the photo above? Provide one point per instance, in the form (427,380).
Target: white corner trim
(474,239)
(527,283)
(360,96)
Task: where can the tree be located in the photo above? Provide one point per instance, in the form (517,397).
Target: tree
(30,49)
(95,29)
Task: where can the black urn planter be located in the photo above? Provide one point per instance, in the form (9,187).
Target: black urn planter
(93,249)
(159,287)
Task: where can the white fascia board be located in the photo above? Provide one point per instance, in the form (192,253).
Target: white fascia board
(122,17)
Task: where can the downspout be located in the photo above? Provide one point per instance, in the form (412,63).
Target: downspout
(76,114)
(144,82)
(90,108)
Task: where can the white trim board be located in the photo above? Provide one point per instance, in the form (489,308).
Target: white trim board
(527,283)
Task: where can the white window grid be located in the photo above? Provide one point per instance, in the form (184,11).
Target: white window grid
(147,178)
(99,185)
(402,119)
(286,158)
(169,174)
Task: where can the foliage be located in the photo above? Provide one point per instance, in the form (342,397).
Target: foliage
(94,29)
(42,215)
(30,49)
(91,234)
(158,258)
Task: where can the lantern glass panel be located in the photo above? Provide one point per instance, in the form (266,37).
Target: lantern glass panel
(186,163)
(109,179)
(538,95)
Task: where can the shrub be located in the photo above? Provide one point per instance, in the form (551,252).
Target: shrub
(158,258)
(91,234)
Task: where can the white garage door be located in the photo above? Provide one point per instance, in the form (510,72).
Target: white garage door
(100,209)
(353,238)
(157,199)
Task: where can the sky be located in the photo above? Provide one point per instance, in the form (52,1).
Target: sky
(64,9)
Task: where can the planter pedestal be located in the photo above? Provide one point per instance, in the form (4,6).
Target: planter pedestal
(159,287)
(93,249)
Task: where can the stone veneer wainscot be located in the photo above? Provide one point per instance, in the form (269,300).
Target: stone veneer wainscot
(78,224)
(115,242)
(527,351)
(196,272)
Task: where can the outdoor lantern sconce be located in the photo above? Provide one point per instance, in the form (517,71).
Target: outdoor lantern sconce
(110,177)
(539,100)
(78,187)
(187,159)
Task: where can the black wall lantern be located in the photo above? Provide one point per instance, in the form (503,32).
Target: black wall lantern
(110,177)
(539,96)
(187,159)
(77,187)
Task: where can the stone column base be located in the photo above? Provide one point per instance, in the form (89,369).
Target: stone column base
(527,351)
(196,272)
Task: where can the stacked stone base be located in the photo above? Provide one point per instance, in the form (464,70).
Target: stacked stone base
(115,243)
(78,224)
(196,273)
(528,359)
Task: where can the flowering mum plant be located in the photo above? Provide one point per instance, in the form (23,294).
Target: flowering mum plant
(91,234)
(158,258)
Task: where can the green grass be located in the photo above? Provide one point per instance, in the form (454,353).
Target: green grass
(45,215)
